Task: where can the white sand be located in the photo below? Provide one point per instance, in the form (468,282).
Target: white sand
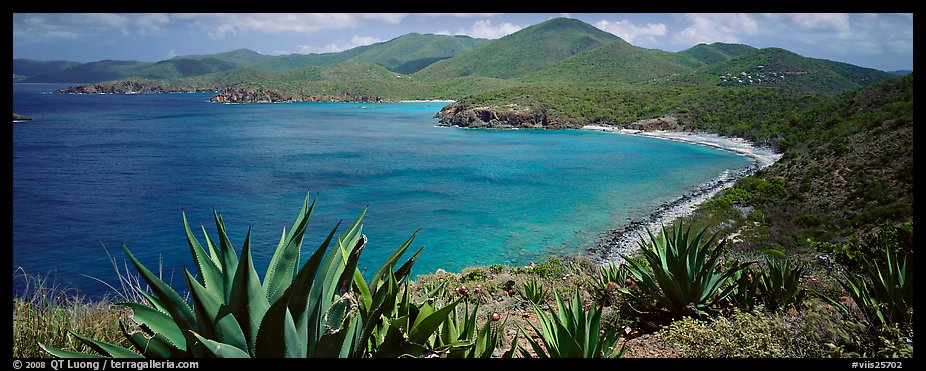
(623,240)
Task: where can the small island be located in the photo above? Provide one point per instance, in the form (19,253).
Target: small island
(20,118)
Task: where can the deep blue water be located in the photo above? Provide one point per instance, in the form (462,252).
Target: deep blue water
(94,170)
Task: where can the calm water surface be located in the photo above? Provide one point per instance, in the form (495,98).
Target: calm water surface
(94,170)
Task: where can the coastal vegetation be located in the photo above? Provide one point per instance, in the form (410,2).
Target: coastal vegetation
(810,257)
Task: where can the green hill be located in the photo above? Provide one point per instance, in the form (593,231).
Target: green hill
(26,68)
(703,54)
(775,67)
(405,54)
(527,50)
(617,62)
(193,65)
(409,53)
(91,72)
(563,52)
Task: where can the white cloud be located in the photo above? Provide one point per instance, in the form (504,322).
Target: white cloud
(217,25)
(861,34)
(171,53)
(708,28)
(628,31)
(152,23)
(394,18)
(459,15)
(485,30)
(442,32)
(44,27)
(354,42)
(839,21)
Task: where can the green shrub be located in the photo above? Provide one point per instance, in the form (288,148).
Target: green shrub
(475,274)
(743,334)
(551,267)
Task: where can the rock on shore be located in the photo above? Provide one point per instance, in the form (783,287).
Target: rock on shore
(509,116)
(18,118)
(266,95)
(514,116)
(130,87)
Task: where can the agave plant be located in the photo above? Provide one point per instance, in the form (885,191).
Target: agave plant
(571,332)
(687,277)
(885,294)
(462,338)
(610,278)
(533,291)
(780,284)
(745,293)
(323,309)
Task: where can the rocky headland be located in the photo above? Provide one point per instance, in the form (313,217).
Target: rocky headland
(20,118)
(131,87)
(266,95)
(514,116)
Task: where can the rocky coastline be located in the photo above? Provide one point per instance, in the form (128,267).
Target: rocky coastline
(20,118)
(514,116)
(265,95)
(623,240)
(131,87)
(227,94)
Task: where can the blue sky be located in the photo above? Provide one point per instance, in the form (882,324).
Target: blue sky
(883,41)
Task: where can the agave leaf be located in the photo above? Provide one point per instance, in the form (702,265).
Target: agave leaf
(383,299)
(346,280)
(155,302)
(230,257)
(365,297)
(298,293)
(65,353)
(205,268)
(214,252)
(323,291)
(215,318)
(402,273)
(283,265)
(107,349)
(159,323)
(396,345)
(153,347)
(533,343)
(179,311)
(221,350)
(425,325)
(391,261)
(248,300)
(514,346)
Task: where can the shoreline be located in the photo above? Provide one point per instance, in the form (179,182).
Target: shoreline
(428,100)
(623,239)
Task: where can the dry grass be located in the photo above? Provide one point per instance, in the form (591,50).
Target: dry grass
(47,312)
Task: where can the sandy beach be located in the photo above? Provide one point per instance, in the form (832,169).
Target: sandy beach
(623,239)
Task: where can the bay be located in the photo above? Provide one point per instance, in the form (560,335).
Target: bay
(94,170)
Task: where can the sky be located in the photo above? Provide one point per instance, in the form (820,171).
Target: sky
(877,40)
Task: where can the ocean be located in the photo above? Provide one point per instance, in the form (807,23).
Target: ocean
(104,170)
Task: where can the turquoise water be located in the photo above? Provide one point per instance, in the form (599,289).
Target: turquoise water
(113,169)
